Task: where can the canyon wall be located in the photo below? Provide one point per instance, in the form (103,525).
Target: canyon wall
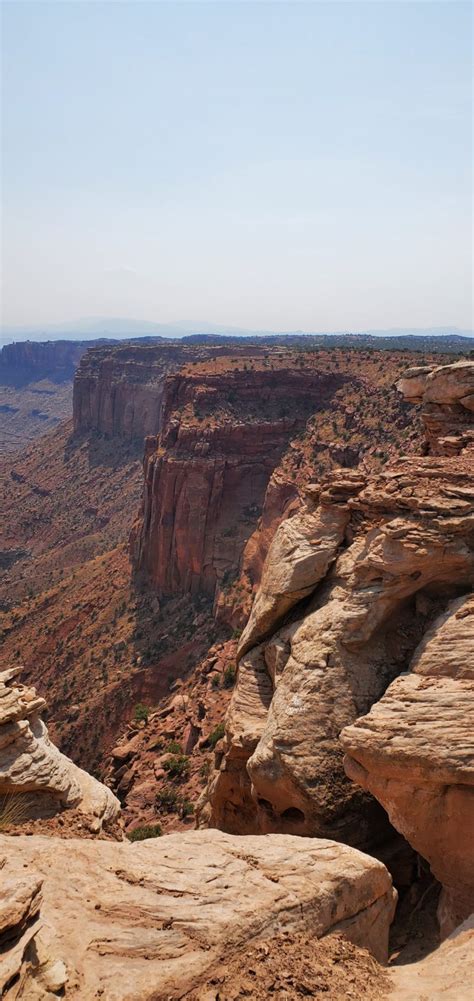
(352,585)
(30,361)
(207,472)
(118,391)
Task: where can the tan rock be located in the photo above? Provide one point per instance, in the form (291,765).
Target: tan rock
(34,775)
(447,974)
(170,908)
(300,554)
(415,753)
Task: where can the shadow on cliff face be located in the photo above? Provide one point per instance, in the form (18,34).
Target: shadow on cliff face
(112,453)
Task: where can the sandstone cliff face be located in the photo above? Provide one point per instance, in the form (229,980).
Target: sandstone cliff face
(36,780)
(152,920)
(207,473)
(351,585)
(414,752)
(118,392)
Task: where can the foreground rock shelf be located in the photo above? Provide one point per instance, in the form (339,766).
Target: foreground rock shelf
(147,921)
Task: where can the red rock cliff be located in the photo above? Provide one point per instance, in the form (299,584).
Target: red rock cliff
(206,474)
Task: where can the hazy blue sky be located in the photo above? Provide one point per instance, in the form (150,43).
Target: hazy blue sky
(267,165)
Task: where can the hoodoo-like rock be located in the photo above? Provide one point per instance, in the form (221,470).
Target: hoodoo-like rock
(206,474)
(36,780)
(152,920)
(415,753)
(380,557)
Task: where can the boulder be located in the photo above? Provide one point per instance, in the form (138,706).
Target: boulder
(132,922)
(36,780)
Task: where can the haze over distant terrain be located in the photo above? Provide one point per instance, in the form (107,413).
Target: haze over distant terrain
(277,166)
(121,327)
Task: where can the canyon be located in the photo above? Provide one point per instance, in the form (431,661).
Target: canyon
(285,663)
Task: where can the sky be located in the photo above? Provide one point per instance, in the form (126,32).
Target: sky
(274,166)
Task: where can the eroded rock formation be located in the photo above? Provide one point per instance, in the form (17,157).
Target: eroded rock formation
(350,588)
(414,752)
(36,780)
(152,919)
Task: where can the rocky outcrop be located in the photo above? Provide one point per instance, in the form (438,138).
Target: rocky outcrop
(447,395)
(415,753)
(149,920)
(206,474)
(36,780)
(349,591)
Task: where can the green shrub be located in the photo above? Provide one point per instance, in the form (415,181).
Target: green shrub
(177,766)
(229,677)
(141,713)
(174,747)
(145,832)
(216,735)
(215,683)
(204,770)
(186,809)
(167,799)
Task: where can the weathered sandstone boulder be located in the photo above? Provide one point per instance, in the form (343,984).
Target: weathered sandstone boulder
(149,920)
(36,780)
(415,753)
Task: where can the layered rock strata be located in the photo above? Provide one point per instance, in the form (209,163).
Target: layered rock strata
(151,919)
(207,473)
(350,587)
(36,780)
(118,391)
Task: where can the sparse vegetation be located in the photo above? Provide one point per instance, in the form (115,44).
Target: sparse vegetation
(145,832)
(141,713)
(216,735)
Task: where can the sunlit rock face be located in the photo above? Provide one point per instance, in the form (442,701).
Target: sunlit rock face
(351,588)
(36,780)
(415,753)
(150,920)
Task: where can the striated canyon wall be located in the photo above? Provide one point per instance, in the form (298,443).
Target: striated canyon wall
(207,472)
(118,391)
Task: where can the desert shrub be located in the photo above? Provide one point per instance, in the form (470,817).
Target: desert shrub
(174,747)
(229,676)
(204,770)
(145,832)
(216,735)
(141,713)
(167,799)
(177,766)
(186,809)
(215,682)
